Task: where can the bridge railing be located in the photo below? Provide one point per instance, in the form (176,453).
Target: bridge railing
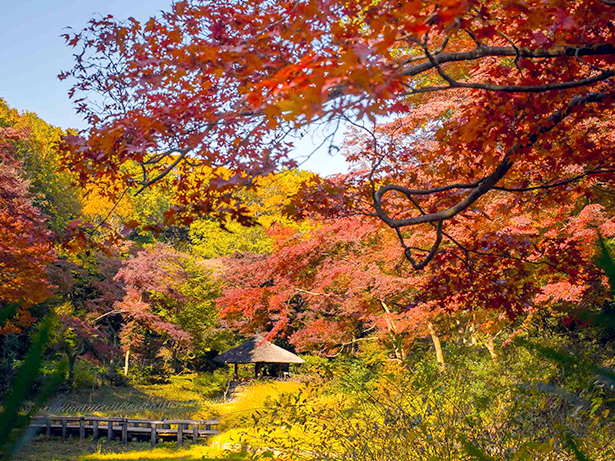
(125,427)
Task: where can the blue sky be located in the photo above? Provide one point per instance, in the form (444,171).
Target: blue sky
(33,53)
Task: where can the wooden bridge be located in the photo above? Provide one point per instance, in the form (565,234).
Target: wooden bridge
(124,427)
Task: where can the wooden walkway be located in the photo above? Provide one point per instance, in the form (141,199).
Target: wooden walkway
(124,427)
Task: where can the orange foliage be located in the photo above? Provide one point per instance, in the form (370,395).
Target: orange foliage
(25,242)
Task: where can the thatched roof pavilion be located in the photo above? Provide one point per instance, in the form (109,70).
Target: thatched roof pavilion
(258,351)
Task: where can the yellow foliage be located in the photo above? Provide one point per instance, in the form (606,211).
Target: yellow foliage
(273,194)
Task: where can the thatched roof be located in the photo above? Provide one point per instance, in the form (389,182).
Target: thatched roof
(258,350)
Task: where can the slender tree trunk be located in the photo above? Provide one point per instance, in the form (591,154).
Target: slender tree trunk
(126,361)
(491,348)
(436,344)
(175,360)
(72,358)
(398,345)
(473,340)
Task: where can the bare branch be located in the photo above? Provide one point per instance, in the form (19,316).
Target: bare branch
(434,249)
(113,312)
(166,171)
(604,75)
(117,202)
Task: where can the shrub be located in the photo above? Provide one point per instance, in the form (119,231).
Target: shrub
(150,374)
(530,406)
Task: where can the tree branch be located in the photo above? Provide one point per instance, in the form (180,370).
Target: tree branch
(563,182)
(166,171)
(503,51)
(485,184)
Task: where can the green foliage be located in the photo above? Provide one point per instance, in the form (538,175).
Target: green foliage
(318,366)
(211,384)
(529,406)
(40,156)
(11,421)
(150,374)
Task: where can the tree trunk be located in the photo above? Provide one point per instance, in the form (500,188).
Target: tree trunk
(436,344)
(398,344)
(126,361)
(491,348)
(72,358)
(175,360)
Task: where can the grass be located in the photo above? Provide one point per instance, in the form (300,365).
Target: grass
(183,397)
(255,397)
(41,449)
(180,391)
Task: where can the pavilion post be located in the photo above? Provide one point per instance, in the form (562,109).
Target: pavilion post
(236,372)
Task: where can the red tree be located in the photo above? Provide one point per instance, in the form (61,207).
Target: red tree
(169,300)
(504,139)
(25,242)
(219,85)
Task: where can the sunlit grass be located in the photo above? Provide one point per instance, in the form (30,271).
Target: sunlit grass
(180,389)
(57,450)
(167,454)
(182,398)
(252,397)
(235,415)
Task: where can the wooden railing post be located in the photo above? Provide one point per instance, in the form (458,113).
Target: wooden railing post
(137,427)
(124,430)
(81,428)
(195,433)
(154,434)
(180,434)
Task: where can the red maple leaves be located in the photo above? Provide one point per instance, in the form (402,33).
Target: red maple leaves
(486,182)
(25,242)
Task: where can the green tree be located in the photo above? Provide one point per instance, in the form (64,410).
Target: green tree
(37,150)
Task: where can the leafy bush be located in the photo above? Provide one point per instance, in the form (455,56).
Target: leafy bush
(150,374)
(533,405)
(112,377)
(86,375)
(211,384)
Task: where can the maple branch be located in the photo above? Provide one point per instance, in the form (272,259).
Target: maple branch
(113,312)
(483,187)
(166,171)
(410,192)
(159,157)
(562,182)
(478,189)
(452,83)
(432,252)
(115,205)
(517,88)
(483,51)
(517,51)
